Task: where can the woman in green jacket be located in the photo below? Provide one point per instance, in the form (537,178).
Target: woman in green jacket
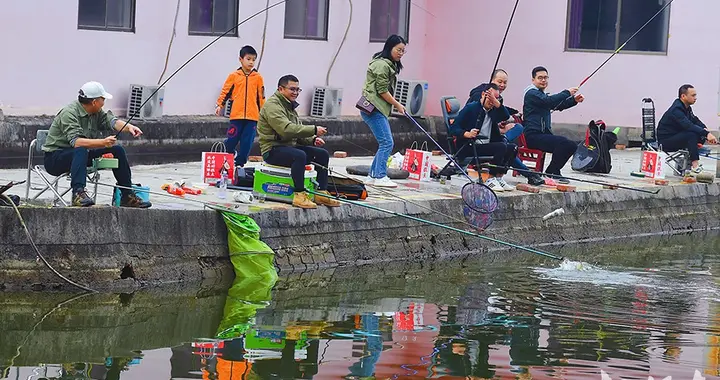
(378,89)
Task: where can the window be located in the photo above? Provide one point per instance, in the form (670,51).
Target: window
(116,15)
(389,17)
(306,19)
(606,24)
(213,17)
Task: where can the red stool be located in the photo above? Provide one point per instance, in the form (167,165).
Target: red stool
(534,159)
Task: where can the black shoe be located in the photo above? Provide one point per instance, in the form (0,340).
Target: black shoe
(80,198)
(132,200)
(535,180)
(562,180)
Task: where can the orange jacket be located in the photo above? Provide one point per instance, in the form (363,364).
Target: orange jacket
(246,91)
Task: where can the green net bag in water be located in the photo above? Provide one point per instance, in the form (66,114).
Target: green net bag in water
(249,255)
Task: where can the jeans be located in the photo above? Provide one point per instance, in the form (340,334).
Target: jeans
(511,135)
(296,158)
(76,161)
(380,127)
(683,140)
(242,132)
(503,154)
(561,148)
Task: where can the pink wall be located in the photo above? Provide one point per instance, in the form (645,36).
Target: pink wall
(464,39)
(39,75)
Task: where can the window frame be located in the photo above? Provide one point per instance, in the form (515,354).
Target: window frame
(618,18)
(106,28)
(407,26)
(236,20)
(326,25)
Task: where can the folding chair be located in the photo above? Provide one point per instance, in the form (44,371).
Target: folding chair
(534,157)
(93,172)
(680,158)
(450,107)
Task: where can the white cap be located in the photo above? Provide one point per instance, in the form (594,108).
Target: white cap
(92,90)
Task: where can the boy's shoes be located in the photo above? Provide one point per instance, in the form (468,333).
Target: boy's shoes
(80,198)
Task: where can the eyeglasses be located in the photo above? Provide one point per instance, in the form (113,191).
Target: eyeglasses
(294,89)
(543,77)
(400,50)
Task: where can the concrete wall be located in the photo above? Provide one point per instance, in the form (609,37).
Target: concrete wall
(166,245)
(461,51)
(41,74)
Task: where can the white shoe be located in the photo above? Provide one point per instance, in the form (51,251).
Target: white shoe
(506,186)
(384,182)
(695,171)
(369,181)
(494,185)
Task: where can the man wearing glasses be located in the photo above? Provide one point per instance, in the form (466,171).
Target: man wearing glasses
(284,141)
(537,106)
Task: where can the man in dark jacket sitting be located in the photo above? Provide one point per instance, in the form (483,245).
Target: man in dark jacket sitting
(537,106)
(680,129)
(477,123)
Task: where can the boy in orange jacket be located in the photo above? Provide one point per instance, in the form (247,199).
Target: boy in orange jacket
(245,88)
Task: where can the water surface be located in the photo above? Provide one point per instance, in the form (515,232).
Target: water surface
(649,306)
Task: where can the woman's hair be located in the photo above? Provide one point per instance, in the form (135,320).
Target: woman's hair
(386,52)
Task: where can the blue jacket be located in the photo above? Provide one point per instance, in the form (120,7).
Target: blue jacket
(537,106)
(472,116)
(679,118)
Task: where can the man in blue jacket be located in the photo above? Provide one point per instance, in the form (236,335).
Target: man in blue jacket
(680,129)
(477,123)
(537,106)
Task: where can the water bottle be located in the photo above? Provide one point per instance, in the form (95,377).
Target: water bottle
(222,194)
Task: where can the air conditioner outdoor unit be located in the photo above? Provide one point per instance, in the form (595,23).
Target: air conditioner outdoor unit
(412,94)
(326,102)
(153,109)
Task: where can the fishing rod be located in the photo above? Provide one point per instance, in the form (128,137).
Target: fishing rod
(619,49)
(573,179)
(193,57)
(473,234)
(497,60)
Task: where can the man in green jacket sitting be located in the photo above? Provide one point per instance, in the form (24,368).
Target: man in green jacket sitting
(284,141)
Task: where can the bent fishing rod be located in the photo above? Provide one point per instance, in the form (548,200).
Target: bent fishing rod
(654,192)
(497,60)
(618,49)
(193,57)
(473,234)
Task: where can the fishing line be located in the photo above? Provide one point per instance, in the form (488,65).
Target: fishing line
(574,179)
(37,251)
(516,246)
(193,57)
(620,48)
(497,60)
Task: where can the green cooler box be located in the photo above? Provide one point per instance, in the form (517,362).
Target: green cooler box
(276,184)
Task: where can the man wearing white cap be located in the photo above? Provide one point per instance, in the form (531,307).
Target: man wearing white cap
(83,131)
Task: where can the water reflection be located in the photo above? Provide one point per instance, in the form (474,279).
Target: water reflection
(655,316)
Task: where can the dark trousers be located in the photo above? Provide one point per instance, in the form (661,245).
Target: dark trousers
(296,158)
(76,161)
(683,140)
(561,148)
(240,132)
(503,154)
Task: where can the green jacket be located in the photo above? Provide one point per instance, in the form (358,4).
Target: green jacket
(279,125)
(73,122)
(381,77)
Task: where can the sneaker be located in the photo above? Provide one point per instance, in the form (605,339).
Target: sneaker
(327,201)
(81,198)
(301,200)
(132,200)
(369,181)
(384,182)
(695,171)
(506,186)
(494,185)
(535,180)
(563,181)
